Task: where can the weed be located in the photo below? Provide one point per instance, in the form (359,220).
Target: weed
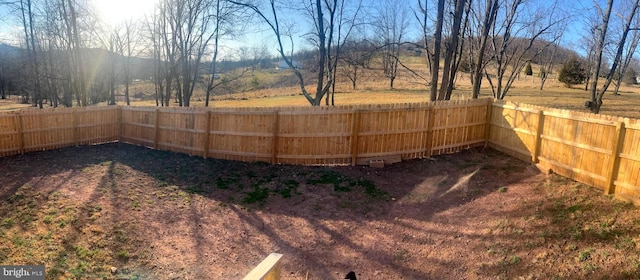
(162,184)
(185,196)
(136,204)
(82,252)
(589,268)
(370,188)
(15,197)
(123,255)
(514,260)
(258,194)
(223,184)
(195,190)
(285,193)
(625,243)
(585,255)
(289,186)
(328,177)
(606,231)
(8,222)
(401,256)
(106,163)
(530,245)
(502,189)
(120,235)
(79,269)
(573,247)
(47,219)
(576,232)
(86,170)
(18,241)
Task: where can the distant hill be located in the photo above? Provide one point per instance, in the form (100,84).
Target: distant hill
(8,49)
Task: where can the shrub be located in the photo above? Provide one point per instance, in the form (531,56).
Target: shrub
(572,73)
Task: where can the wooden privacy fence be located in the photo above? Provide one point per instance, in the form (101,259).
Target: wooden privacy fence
(48,129)
(294,135)
(311,136)
(601,151)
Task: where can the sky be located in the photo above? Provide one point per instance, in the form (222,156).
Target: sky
(257,34)
(114,12)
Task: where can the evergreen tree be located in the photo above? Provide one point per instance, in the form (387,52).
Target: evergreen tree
(572,73)
(528,70)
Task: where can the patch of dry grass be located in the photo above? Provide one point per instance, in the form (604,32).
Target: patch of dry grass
(374,88)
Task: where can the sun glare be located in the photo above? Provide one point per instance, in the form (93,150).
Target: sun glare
(114,12)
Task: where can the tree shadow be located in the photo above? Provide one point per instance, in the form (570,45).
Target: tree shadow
(188,217)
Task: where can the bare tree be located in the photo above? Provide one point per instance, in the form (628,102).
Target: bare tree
(224,14)
(630,48)
(452,52)
(322,36)
(546,67)
(422,16)
(357,57)
(128,43)
(26,9)
(484,24)
(435,56)
(516,25)
(391,25)
(597,94)
(548,54)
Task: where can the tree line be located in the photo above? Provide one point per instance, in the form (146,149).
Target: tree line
(490,40)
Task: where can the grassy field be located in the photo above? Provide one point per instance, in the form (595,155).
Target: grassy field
(373,88)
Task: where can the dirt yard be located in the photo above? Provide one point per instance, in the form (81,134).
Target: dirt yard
(118,211)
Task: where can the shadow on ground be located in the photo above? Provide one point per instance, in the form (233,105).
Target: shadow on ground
(118,210)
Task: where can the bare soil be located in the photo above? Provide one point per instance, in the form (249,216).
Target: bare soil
(118,211)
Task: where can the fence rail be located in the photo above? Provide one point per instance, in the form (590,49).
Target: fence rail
(601,151)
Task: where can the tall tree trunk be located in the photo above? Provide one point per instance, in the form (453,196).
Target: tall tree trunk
(598,56)
(489,17)
(595,108)
(452,47)
(435,60)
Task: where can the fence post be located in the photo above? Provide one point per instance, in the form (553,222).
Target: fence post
(354,137)
(206,134)
(615,158)
(156,128)
(538,144)
(20,132)
(269,269)
(487,129)
(276,127)
(430,122)
(76,137)
(119,126)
